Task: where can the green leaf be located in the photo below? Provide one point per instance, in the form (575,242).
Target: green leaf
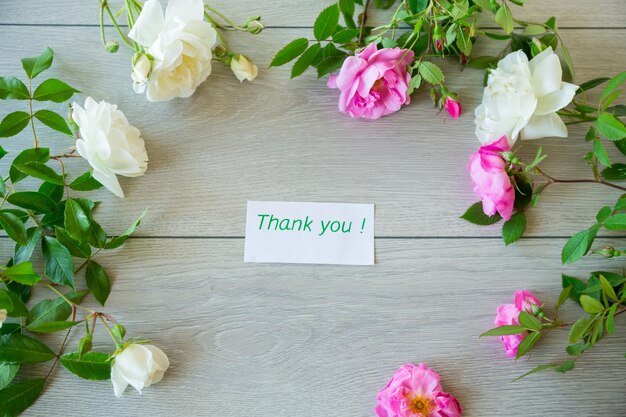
(345,35)
(14,227)
(305,60)
(85,182)
(58,264)
(505,331)
(463,41)
(18,397)
(81,250)
(616,172)
(414,84)
(23,253)
(98,281)
(37,65)
(33,200)
(616,222)
(551,23)
(6,301)
(565,367)
(76,220)
(52,311)
(483,62)
(431,73)
(40,171)
(527,344)
(534,30)
(563,296)
(514,228)
(576,348)
(326,23)
(13,123)
(529,321)
(54,191)
(591,305)
(7,373)
(53,121)
(52,326)
(119,332)
(612,85)
(578,245)
(23,349)
(118,241)
(619,110)
(505,19)
(607,289)
(292,50)
(610,127)
(92,365)
(476,215)
(588,85)
(29,155)
(603,214)
(329,65)
(13,88)
(535,370)
(54,90)
(22,273)
(18,309)
(600,153)
(347,10)
(85,344)
(577,287)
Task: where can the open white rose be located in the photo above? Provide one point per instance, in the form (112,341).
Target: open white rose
(109,143)
(139,366)
(3,315)
(523,97)
(179,43)
(243,68)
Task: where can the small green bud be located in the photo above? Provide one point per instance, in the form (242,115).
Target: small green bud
(536,47)
(112,46)
(119,331)
(253,25)
(220,52)
(85,344)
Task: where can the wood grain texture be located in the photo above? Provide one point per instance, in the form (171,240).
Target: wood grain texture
(286,340)
(570,13)
(285,140)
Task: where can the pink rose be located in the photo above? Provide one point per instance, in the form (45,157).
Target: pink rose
(373,83)
(491,181)
(508,314)
(453,107)
(414,391)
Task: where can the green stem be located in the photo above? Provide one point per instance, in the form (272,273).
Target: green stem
(102,35)
(119,30)
(216,26)
(233,25)
(56,360)
(67,300)
(30,106)
(106,326)
(362,23)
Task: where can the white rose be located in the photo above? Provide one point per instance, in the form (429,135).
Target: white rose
(139,366)
(141,70)
(110,145)
(523,97)
(243,68)
(3,315)
(179,44)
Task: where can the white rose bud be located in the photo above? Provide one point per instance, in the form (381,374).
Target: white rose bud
(141,71)
(109,143)
(179,42)
(522,98)
(139,366)
(3,315)
(243,68)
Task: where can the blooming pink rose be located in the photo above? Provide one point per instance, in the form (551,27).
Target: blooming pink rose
(508,314)
(373,83)
(491,181)
(453,107)
(414,391)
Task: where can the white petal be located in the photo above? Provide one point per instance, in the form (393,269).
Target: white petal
(149,23)
(110,181)
(184,10)
(509,62)
(540,57)
(557,100)
(549,125)
(119,383)
(547,76)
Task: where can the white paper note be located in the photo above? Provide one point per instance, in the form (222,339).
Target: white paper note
(312,233)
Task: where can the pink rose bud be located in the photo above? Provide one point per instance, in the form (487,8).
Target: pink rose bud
(439,44)
(463,59)
(492,184)
(508,314)
(373,83)
(414,390)
(453,107)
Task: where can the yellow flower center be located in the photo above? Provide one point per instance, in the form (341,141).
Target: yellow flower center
(420,406)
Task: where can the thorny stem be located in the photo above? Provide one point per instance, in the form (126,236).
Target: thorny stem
(67,334)
(362,23)
(552,180)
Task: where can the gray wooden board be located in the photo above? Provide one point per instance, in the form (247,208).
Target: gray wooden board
(285,340)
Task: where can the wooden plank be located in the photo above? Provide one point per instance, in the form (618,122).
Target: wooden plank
(289,340)
(284,140)
(569,13)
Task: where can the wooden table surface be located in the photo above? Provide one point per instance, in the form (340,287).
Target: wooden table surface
(258,340)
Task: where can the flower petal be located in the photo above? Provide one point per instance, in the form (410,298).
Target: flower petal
(184,10)
(149,23)
(549,125)
(110,181)
(557,100)
(547,76)
(119,383)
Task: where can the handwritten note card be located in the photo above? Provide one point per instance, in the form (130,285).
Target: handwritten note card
(312,233)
